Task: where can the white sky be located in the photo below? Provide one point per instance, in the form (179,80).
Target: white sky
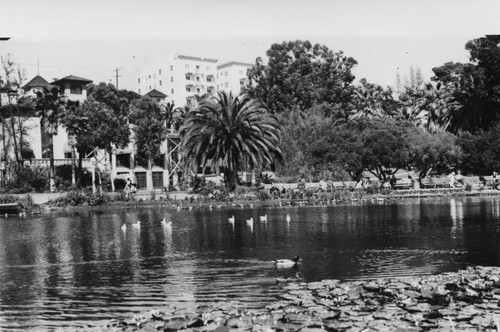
(91,38)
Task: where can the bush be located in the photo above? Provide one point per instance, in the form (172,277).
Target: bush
(81,197)
(263,195)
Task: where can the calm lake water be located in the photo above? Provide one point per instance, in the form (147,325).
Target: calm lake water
(71,269)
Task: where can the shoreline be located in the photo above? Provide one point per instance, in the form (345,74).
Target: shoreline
(467,300)
(185,204)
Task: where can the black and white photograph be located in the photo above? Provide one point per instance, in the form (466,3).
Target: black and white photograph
(217,166)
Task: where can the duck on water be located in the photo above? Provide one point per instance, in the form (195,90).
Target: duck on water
(288,263)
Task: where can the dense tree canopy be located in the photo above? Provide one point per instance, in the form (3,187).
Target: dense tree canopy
(301,74)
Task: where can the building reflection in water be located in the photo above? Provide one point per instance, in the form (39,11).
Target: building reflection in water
(457,217)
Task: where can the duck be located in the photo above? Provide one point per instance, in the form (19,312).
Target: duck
(250,224)
(263,218)
(231,219)
(137,225)
(288,263)
(124,228)
(166,223)
(288,218)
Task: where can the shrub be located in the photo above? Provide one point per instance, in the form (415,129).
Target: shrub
(263,195)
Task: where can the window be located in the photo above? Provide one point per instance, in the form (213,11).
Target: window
(188,89)
(160,82)
(123,160)
(198,78)
(141,180)
(188,77)
(150,87)
(159,161)
(159,71)
(197,67)
(209,91)
(149,76)
(241,83)
(172,79)
(139,80)
(139,91)
(75,89)
(171,68)
(157,180)
(209,79)
(172,91)
(198,90)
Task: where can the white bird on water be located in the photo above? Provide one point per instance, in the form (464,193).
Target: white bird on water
(263,218)
(250,224)
(288,263)
(167,225)
(124,228)
(231,219)
(288,218)
(137,225)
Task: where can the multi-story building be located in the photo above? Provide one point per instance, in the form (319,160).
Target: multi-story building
(232,76)
(184,78)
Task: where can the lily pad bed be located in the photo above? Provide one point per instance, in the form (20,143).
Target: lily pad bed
(467,300)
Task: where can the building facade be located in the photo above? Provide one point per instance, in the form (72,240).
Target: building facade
(183,78)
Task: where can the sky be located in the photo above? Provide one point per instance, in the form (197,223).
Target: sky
(93,38)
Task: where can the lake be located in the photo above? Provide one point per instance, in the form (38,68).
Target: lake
(70,269)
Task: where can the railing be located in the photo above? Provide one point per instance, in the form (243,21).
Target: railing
(57,162)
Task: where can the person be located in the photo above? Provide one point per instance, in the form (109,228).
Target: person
(360,184)
(322,185)
(496,180)
(452,179)
(392,181)
(459,179)
(301,184)
(128,188)
(329,185)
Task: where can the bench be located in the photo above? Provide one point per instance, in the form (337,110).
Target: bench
(403,184)
(436,182)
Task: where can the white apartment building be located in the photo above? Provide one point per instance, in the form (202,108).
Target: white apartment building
(183,78)
(232,76)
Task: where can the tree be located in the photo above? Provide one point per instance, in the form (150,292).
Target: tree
(50,105)
(231,134)
(148,120)
(476,86)
(437,151)
(301,74)
(371,101)
(109,118)
(76,122)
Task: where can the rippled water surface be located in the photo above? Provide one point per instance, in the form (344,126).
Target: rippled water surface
(74,269)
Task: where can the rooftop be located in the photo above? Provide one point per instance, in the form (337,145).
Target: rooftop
(72,78)
(234,63)
(36,82)
(156,94)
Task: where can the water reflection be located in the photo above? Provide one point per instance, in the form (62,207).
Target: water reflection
(64,268)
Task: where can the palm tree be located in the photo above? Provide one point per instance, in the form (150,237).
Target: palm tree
(49,106)
(231,134)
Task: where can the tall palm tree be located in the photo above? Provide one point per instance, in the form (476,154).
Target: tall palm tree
(231,134)
(49,105)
